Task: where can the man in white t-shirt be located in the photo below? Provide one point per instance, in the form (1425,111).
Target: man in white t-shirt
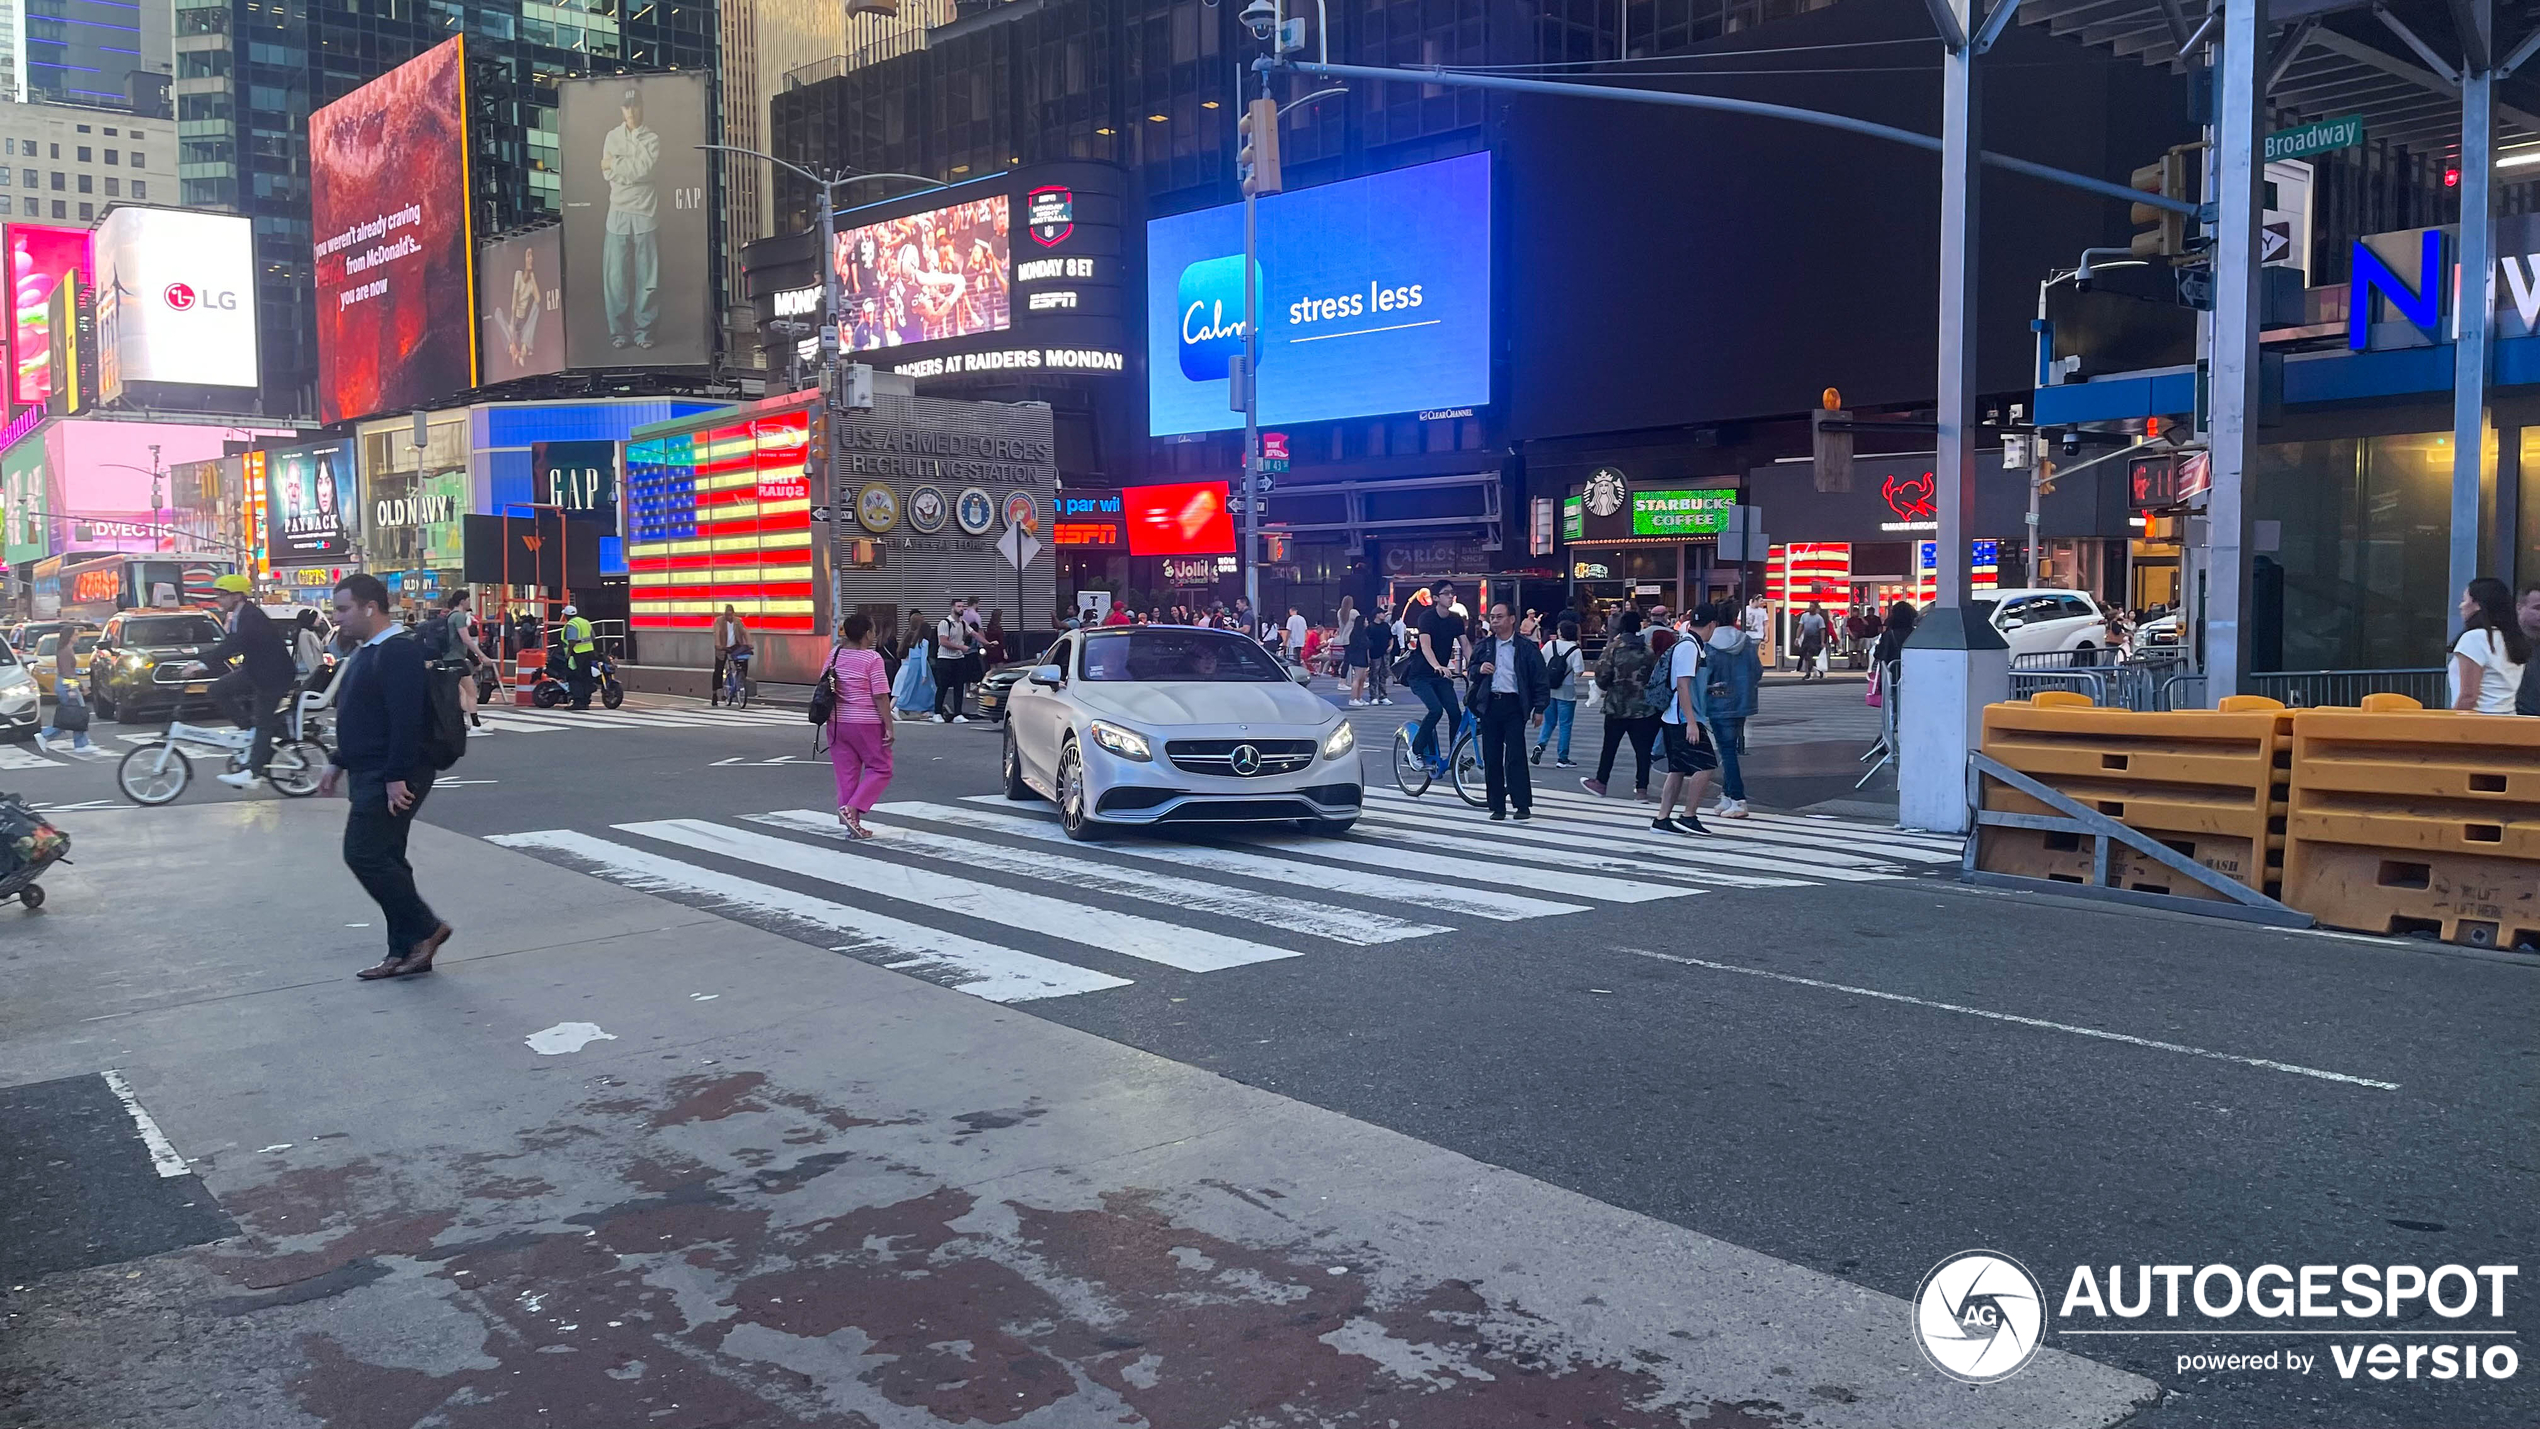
(1296,634)
(1683,726)
(952,656)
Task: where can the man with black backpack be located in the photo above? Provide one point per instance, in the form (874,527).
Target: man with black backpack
(391,737)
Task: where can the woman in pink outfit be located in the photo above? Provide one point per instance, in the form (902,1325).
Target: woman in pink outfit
(860,732)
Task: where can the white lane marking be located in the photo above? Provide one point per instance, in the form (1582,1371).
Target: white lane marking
(1190,949)
(567,1037)
(13,757)
(91,752)
(514,724)
(1821,844)
(964,964)
(1297,915)
(163,1155)
(1479,903)
(2105,1036)
(1821,861)
(1541,845)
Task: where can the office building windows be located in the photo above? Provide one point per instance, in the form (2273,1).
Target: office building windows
(111,186)
(140,190)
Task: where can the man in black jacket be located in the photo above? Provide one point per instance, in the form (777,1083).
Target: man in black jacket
(1509,691)
(380,714)
(252,692)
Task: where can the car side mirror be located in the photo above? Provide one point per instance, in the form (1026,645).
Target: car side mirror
(1301,674)
(1049,676)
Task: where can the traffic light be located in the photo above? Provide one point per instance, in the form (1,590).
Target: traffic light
(1831,448)
(1257,148)
(2164,232)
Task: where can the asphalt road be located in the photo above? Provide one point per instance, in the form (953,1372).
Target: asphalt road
(1809,1043)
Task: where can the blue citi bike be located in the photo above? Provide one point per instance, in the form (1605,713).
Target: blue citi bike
(1461,766)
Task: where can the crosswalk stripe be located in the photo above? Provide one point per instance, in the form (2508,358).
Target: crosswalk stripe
(1851,837)
(1716,847)
(12,757)
(1171,944)
(1534,844)
(1479,903)
(1318,920)
(1607,890)
(1582,885)
(508,724)
(965,964)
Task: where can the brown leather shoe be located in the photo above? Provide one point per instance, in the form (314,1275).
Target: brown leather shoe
(420,960)
(385,967)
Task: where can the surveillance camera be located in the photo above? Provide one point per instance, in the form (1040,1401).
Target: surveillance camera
(2072,444)
(1261,17)
(2081,281)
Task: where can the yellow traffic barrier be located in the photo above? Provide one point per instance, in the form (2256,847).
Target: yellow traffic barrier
(2207,784)
(2409,820)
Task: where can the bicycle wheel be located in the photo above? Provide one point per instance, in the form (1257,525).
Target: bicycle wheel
(1410,771)
(295,767)
(739,696)
(154,774)
(1464,768)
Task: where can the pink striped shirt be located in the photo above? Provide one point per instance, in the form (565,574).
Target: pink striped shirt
(861,676)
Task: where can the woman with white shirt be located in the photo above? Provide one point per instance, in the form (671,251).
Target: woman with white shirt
(2487,660)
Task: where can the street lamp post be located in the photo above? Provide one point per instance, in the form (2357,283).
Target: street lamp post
(832,328)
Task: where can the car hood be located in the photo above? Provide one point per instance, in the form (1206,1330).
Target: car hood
(1167,703)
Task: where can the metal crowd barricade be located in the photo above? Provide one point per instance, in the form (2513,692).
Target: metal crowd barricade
(1883,749)
(2322,689)
(2144,686)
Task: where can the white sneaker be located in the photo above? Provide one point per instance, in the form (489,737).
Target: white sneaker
(1358,704)
(242,779)
(1734,809)
(961,719)
(41,744)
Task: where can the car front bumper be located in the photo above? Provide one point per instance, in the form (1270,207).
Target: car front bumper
(1130,791)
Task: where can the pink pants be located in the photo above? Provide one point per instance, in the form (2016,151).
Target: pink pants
(862,761)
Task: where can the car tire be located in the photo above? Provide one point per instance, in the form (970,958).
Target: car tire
(1012,762)
(1075,815)
(103,703)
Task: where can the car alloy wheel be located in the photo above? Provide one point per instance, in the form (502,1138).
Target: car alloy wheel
(1015,788)
(1073,815)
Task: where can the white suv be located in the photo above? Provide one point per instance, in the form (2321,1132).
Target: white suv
(2043,622)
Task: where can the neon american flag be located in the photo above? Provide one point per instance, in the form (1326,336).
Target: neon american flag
(721,516)
(1806,573)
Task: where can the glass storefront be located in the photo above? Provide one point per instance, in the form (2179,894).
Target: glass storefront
(2361,570)
(413,499)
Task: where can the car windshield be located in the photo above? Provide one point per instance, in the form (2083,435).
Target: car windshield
(171,630)
(1176,653)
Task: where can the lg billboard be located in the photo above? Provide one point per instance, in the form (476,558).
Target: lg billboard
(176,299)
(1374,296)
(636,236)
(388,205)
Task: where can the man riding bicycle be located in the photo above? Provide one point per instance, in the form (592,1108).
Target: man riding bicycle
(731,648)
(252,693)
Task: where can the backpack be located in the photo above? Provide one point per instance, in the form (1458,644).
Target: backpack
(439,641)
(444,717)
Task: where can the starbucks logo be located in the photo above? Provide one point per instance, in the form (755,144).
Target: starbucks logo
(1606,491)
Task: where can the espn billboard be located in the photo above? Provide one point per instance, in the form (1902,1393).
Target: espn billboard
(176,299)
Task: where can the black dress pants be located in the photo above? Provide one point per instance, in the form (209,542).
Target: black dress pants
(1503,739)
(375,850)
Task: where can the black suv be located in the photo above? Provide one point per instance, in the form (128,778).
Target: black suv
(134,675)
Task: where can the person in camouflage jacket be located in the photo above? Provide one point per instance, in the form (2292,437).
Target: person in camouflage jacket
(1631,707)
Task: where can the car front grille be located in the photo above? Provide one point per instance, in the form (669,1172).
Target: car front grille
(172,672)
(1217,756)
(1236,811)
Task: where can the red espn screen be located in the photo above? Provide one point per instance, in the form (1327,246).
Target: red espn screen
(1188,518)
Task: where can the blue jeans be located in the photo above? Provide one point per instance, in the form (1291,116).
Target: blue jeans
(1730,735)
(1438,693)
(1556,722)
(630,285)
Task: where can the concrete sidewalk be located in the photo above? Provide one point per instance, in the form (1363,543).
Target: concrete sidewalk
(777,1186)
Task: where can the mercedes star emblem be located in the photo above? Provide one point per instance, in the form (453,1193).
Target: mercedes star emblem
(1246,760)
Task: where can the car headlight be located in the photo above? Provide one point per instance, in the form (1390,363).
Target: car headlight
(1339,742)
(1127,743)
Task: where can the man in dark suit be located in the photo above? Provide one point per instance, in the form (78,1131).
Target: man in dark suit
(380,715)
(252,691)
(1510,688)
